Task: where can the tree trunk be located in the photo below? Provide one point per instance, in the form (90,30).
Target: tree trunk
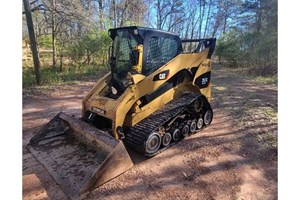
(61,59)
(225,23)
(148,15)
(101,20)
(226,15)
(33,46)
(61,62)
(115,14)
(207,19)
(159,15)
(61,47)
(88,57)
(201,16)
(192,32)
(258,17)
(123,13)
(53,38)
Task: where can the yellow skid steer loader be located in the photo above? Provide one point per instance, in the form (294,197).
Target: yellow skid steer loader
(157,92)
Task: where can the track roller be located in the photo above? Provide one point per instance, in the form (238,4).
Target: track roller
(185,130)
(166,139)
(176,134)
(207,118)
(193,127)
(153,142)
(200,123)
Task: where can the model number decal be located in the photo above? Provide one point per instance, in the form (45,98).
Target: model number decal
(204,81)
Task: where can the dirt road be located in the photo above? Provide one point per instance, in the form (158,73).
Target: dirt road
(234,158)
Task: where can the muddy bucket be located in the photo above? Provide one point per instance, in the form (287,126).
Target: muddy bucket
(78,156)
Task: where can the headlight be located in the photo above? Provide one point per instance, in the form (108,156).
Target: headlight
(98,110)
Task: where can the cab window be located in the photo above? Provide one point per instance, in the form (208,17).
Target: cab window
(160,51)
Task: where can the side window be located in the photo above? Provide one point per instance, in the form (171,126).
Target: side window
(160,51)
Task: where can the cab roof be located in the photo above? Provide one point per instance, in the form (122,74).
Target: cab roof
(142,31)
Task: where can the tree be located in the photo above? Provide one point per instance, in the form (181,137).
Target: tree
(33,45)
(252,42)
(53,28)
(169,13)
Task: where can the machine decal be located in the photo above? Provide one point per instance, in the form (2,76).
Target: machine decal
(161,76)
(203,80)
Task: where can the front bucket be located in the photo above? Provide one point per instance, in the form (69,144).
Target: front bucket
(78,156)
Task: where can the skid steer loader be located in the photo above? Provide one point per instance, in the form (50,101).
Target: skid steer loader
(157,92)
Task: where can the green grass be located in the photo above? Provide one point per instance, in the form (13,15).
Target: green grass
(68,75)
(271,113)
(266,80)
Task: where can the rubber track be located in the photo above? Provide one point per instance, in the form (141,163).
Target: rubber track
(138,134)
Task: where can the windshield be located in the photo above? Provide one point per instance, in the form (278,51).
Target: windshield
(123,53)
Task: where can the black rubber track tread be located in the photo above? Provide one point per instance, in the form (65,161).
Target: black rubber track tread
(138,134)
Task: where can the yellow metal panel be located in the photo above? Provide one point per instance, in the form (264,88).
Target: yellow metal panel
(137,78)
(204,68)
(98,87)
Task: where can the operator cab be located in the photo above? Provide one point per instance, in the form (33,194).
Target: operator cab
(140,50)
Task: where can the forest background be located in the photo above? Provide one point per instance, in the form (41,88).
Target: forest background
(72,35)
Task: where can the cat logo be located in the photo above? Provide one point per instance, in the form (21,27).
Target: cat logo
(161,76)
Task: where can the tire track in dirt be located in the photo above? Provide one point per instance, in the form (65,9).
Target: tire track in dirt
(224,161)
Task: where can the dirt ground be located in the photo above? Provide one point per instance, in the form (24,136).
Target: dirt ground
(234,158)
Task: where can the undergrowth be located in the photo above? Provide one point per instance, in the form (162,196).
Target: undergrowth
(266,80)
(67,75)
